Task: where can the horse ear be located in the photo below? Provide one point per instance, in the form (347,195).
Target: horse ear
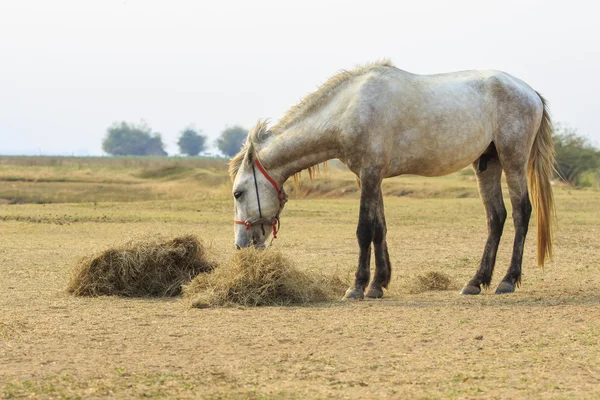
(250,152)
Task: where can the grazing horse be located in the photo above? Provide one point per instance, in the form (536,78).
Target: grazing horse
(382,122)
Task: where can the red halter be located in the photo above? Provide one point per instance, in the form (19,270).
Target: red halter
(274,222)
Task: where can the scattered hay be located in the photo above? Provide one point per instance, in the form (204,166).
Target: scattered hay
(431,280)
(11,330)
(149,267)
(260,278)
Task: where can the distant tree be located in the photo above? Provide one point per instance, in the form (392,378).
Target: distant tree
(125,139)
(574,154)
(191,142)
(155,146)
(231,140)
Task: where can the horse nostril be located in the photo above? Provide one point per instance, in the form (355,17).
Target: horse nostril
(237,247)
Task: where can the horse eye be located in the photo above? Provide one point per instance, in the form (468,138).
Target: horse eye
(237,195)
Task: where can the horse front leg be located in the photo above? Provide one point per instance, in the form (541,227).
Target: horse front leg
(383,267)
(365,233)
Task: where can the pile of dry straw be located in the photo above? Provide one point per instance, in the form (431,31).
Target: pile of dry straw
(428,281)
(261,278)
(148,267)
(159,267)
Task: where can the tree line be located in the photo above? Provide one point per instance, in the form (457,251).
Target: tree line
(128,139)
(577,159)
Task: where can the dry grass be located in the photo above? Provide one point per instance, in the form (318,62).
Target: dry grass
(110,179)
(542,342)
(261,278)
(432,280)
(8,331)
(142,268)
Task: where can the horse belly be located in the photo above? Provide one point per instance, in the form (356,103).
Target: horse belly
(433,153)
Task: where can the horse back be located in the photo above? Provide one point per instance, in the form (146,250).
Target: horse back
(432,124)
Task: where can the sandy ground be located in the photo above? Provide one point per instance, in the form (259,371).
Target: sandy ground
(541,342)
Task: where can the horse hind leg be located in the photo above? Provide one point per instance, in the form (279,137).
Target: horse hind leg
(490,190)
(519,197)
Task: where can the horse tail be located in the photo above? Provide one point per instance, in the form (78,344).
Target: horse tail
(540,172)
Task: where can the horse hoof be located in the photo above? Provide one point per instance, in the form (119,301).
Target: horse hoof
(353,294)
(505,287)
(374,293)
(470,289)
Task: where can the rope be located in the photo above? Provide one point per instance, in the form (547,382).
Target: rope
(262,227)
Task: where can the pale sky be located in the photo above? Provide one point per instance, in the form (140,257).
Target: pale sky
(68,69)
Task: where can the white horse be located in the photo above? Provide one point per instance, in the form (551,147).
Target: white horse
(382,122)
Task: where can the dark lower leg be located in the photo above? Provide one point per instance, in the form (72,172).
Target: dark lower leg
(365,233)
(484,273)
(383,266)
(521,216)
(490,190)
(363,272)
(383,269)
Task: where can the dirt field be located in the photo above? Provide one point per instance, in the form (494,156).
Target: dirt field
(541,342)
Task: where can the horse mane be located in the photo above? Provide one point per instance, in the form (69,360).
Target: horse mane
(256,135)
(307,105)
(318,97)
